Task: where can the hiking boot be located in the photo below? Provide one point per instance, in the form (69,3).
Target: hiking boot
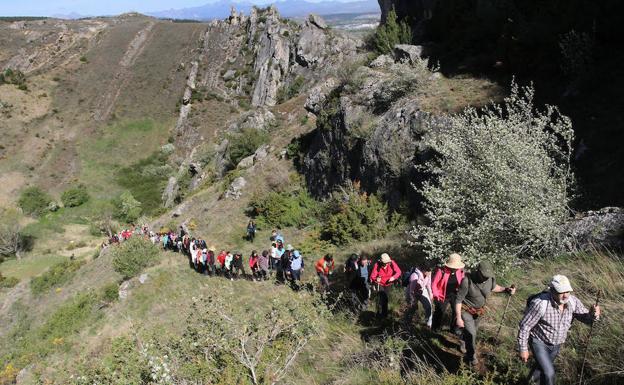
(462,346)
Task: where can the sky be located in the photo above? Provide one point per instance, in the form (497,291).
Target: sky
(96,8)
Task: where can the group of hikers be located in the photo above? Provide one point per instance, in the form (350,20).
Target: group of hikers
(543,329)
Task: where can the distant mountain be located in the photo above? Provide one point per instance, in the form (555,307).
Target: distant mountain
(287,8)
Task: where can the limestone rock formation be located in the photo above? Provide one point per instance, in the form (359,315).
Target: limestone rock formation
(235,190)
(595,229)
(312,44)
(317,95)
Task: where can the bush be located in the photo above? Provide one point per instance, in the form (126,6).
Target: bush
(290,91)
(16,77)
(34,201)
(245,143)
(55,276)
(501,182)
(391,33)
(283,209)
(8,282)
(75,196)
(110,292)
(127,208)
(133,255)
(355,215)
(146,181)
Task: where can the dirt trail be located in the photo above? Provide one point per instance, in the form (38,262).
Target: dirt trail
(119,80)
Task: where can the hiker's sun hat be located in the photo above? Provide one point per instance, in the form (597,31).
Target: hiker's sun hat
(454,262)
(212,248)
(560,283)
(289,248)
(486,269)
(385,258)
(297,254)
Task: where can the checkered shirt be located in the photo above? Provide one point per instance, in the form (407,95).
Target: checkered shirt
(545,322)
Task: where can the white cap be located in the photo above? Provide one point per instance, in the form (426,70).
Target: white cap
(560,283)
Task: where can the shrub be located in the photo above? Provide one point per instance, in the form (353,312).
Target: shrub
(391,33)
(146,180)
(55,276)
(133,255)
(284,209)
(8,282)
(290,91)
(75,196)
(501,182)
(12,239)
(110,292)
(245,143)
(355,215)
(34,201)
(127,208)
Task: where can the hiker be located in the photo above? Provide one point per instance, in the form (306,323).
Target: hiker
(221,260)
(227,265)
(263,265)
(385,273)
(210,261)
(545,325)
(444,286)
(296,267)
(350,269)
(237,265)
(203,269)
(253,264)
(473,293)
(251,231)
(277,260)
(197,260)
(417,290)
(283,271)
(324,268)
(360,283)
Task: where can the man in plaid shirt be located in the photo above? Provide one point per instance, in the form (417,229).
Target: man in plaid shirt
(545,326)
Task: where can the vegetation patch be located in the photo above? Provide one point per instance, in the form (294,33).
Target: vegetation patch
(16,77)
(391,33)
(501,183)
(34,201)
(56,276)
(146,180)
(285,209)
(132,256)
(245,143)
(75,196)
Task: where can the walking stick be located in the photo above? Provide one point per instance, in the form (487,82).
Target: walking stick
(503,317)
(591,330)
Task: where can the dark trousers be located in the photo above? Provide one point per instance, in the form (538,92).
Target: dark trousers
(440,310)
(210,269)
(295,275)
(543,372)
(469,335)
(382,301)
(236,271)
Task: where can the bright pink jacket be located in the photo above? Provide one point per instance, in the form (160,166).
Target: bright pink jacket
(440,279)
(253,262)
(385,272)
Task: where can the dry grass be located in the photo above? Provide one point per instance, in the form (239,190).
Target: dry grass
(452,95)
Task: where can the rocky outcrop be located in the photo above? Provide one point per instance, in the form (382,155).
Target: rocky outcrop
(369,132)
(312,44)
(595,229)
(318,94)
(272,60)
(236,188)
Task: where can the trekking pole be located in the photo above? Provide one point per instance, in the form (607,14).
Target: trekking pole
(503,317)
(589,337)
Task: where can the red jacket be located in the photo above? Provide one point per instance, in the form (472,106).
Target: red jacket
(253,262)
(323,267)
(440,279)
(385,272)
(221,259)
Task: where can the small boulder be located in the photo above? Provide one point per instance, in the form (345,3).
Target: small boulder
(595,229)
(143,278)
(318,94)
(236,188)
(229,75)
(261,153)
(382,61)
(124,289)
(407,53)
(246,162)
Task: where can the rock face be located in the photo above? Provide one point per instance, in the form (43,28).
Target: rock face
(318,94)
(312,44)
(171,192)
(272,61)
(595,229)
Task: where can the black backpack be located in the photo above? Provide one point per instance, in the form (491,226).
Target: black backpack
(406,276)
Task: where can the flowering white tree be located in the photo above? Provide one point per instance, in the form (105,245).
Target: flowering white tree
(500,181)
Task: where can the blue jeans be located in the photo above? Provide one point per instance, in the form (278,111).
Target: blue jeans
(543,372)
(295,275)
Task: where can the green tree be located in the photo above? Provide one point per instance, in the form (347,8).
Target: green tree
(391,33)
(34,201)
(134,255)
(127,208)
(75,196)
(500,183)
